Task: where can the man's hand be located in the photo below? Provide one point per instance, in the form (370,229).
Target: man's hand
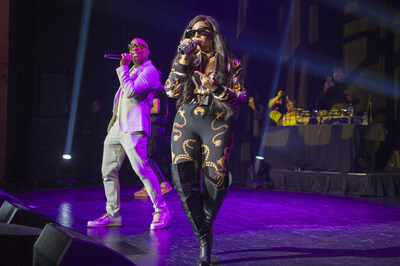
(207,82)
(328,84)
(252,105)
(126,59)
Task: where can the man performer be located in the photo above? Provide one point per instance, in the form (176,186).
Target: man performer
(127,135)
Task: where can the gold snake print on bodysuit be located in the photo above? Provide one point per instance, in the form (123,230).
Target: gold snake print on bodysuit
(186,155)
(219,166)
(218,142)
(174,130)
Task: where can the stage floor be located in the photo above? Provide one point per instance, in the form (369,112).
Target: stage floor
(254,227)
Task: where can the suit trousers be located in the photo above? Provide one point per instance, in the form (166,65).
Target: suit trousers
(117,146)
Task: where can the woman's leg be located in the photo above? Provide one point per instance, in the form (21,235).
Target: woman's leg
(186,175)
(217,144)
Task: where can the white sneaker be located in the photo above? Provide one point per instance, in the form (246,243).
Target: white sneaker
(105,221)
(160,219)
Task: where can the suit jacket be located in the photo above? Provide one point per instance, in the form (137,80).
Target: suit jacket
(134,97)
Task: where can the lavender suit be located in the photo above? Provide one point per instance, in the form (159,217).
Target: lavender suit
(127,134)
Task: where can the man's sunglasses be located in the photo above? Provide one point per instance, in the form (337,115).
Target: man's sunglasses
(138,45)
(203,31)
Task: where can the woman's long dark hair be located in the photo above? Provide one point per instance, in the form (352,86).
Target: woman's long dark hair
(223,58)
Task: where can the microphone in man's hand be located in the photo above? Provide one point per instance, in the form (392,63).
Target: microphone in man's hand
(113,56)
(187,47)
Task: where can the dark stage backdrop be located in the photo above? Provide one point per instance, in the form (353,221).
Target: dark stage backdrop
(4,22)
(43,47)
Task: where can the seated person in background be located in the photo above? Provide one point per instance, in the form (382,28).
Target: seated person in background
(291,108)
(334,94)
(277,109)
(292,113)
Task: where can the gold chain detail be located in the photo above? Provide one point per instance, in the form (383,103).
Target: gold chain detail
(219,171)
(185,156)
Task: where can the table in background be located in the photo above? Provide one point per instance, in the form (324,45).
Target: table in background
(331,148)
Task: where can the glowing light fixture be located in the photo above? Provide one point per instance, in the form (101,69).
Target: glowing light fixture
(67,156)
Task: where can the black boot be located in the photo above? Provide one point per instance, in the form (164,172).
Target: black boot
(213,198)
(185,177)
(206,243)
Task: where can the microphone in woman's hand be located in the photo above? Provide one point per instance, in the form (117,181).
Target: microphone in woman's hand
(187,47)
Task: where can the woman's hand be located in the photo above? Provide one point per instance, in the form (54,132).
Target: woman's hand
(207,82)
(184,60)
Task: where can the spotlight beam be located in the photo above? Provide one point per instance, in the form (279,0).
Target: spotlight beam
(377,13)
(277,72)
(87,7)
(370,80)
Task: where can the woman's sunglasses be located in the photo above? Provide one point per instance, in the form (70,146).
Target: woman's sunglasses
(203,31)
